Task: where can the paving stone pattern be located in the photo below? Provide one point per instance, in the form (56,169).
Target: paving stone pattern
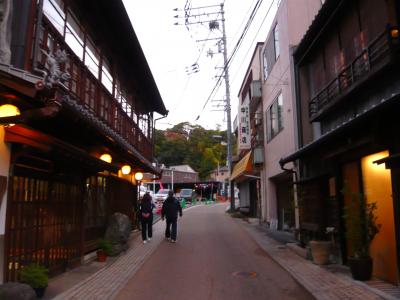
(320,283)
(106,283)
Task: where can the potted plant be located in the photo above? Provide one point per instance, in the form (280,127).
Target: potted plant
(105,248)
(361,228)
(36,276)
(320,249)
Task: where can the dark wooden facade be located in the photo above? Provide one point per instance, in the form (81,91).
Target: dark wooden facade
(348,87)
(60,194)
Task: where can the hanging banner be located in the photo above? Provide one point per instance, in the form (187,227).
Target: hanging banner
(244,127)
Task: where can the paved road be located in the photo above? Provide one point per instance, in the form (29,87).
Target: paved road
(214,258)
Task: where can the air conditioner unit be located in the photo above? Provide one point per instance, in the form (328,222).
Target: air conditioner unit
(258,156)
(255,88)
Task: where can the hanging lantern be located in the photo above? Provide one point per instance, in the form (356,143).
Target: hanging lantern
(126,169)
(9,110)
(106,157)
(138,176)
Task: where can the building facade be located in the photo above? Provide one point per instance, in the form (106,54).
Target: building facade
(279,112)
(246,172)
(179,174)
(348,98)
(82,88)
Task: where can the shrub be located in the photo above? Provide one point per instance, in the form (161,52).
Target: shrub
(105,245)
(362,224)
(35,275)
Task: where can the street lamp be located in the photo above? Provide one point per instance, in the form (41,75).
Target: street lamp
(172,179)
(138,178)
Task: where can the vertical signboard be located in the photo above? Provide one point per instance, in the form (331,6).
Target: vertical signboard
(244,127)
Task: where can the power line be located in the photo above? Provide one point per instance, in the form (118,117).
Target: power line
(244,32)
(237,31)
(187,5)
(255,36)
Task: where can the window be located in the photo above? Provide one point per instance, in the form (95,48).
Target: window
(271,52)
(265,63)
(106,77)
(276,42)
(144,125)
(274,118)
(53,10)
(74,35)
(92,58)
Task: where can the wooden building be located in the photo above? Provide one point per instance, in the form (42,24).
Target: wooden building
(348,92)
(76,72)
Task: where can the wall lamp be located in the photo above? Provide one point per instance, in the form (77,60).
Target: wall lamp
(9,110)
(106,157)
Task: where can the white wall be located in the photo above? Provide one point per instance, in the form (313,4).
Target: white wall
(293,18)
(4,170)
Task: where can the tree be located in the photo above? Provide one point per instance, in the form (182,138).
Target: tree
(190,144)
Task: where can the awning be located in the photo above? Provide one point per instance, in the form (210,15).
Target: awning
(243,166)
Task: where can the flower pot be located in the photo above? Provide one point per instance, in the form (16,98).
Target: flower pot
(40,291)
(320,251)
(101,256)
(361,268)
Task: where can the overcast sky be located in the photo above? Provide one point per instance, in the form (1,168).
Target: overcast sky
(171,49)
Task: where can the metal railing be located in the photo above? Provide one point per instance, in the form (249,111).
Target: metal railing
(359,68)
(90,93)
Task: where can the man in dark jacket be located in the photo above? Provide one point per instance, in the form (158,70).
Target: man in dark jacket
(146,217)
(170,209)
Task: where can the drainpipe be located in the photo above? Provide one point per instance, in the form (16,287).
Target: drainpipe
(296,200)
(154,129)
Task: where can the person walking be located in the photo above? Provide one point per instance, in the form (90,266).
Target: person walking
(170,209)
(146,217)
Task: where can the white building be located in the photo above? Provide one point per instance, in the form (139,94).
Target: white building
(278,100)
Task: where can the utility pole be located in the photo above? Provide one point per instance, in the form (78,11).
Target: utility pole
(203,17)
(228,111)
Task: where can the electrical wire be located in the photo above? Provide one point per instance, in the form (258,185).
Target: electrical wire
(252,43)
(238,30)
(238,44)
(196,62)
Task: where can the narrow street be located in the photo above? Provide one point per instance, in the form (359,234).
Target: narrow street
(214,258)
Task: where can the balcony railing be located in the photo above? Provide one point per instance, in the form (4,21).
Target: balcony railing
(91,94)
(366,62)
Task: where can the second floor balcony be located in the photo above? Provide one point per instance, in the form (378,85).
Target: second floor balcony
(115,94)
(372,59)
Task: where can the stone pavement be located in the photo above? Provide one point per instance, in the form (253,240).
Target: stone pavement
(107,282)
(321,283)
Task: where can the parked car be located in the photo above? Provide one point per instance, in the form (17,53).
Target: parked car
(161,195)
(142,191)
(186,194)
